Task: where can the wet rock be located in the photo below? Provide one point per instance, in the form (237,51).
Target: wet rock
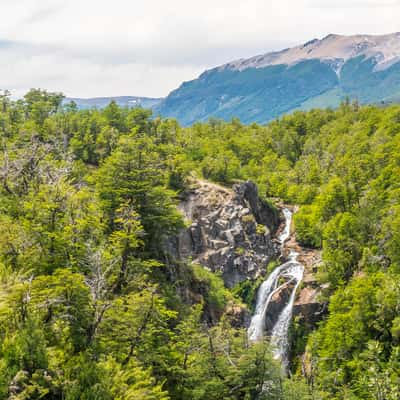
(308,308)
(278,302)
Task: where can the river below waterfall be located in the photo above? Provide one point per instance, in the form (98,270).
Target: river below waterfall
(291,273)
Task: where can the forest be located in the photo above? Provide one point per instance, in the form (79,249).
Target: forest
(92,306)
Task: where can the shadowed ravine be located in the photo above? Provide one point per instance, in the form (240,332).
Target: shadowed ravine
(292,273)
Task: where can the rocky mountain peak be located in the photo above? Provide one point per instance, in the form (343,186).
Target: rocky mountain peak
(384,49)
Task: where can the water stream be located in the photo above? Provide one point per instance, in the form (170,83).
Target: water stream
(292,273)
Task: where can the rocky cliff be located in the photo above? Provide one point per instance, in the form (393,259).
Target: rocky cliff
(229,231)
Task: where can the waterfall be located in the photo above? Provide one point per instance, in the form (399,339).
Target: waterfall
(264,295)
(292,271)
(286,230)
(279,335)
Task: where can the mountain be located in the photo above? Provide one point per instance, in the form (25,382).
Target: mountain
(319,73)
(123,101)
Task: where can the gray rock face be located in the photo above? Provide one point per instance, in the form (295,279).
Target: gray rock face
(308,306)
(229,231)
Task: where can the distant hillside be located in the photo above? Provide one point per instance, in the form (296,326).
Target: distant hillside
(319,73)
(123,101)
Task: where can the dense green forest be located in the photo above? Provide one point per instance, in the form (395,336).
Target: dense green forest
(92,307)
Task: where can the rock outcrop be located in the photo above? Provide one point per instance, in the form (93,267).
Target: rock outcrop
(308,307)
(239,316)
(229,231)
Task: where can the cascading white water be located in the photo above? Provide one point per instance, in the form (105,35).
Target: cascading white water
(286,230)
(279,335)
(264,295)
(292,271)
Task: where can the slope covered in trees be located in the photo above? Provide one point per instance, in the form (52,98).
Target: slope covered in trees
(91,307)
(342,168)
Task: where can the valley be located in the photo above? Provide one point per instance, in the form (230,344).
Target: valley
(139,256)
(200,200)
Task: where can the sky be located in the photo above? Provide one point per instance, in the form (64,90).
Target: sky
(89,48)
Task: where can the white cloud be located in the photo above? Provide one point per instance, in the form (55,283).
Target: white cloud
(354,3)
(99,47)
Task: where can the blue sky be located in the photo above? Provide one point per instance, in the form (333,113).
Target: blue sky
(147,48)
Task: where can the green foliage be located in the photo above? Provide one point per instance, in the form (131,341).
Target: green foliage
(253,95)
(308,226)
(342,250)
(262,94)
(247,291)
(216,295)
(355,349)
(133,175)
(89,305)
(93,307)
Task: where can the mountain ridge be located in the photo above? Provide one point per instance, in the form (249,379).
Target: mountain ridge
(384,48)
(123,101)
(318,73)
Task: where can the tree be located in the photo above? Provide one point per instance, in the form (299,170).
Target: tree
(40,104)
(341,248)
(134,175)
